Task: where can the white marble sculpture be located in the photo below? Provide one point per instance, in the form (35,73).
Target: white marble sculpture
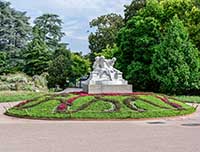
(104,73)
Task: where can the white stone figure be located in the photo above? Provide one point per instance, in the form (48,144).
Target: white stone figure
(104,73)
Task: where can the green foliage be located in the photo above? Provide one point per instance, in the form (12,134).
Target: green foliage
(49,27)
(13,96)
(153,55)
(88,108)
(21,81)
(106,27)
(108,52)
(66,68)
(80,67)
(132,9)
(14,28)
(14,33)
(175,64)
(189,99)
(136,41)
(188,12)
(36,57)
(60,69)
(3,63)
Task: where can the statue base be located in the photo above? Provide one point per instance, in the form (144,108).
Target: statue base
(102,88)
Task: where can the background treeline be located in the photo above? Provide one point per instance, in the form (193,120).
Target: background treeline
(156,43)
(38,49)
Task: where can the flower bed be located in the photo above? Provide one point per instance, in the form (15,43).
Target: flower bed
(80,105)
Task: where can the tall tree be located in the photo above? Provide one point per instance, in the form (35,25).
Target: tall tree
(3,63)
(132,9)
(142,33)
(80,67)
(14,31)
(189,12)
(60,69)
(50,29)
(135,42)
(175,64)
(36,57)
(105,34)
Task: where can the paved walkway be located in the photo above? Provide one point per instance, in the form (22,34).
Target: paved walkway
(180,134)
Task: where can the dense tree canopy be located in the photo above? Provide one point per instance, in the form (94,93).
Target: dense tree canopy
(14,32)
(132,9)
(106,27)
(60,69)
(49,27)
(136,49)
(3,62)
(36,57)
(80,66)
(175,63)
(152,27)
(14,28)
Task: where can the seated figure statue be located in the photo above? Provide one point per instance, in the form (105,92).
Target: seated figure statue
(105,73)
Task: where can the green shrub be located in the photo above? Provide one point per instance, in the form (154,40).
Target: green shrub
(175,64)
(20,81)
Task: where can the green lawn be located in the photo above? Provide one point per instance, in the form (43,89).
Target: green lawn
(11,96)
(100,107)
(192,99)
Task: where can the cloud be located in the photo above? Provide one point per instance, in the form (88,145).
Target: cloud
(76,15)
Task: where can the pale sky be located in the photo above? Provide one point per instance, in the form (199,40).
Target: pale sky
(76,15)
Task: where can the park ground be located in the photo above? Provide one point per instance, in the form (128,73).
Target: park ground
(178,134)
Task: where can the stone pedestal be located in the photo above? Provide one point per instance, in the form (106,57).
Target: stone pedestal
(99,89)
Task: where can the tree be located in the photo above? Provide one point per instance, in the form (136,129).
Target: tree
(80,67)
(108,52)
(3,63)
(36,57)
(49,27)
(175,64)
(135,43)
(106,27)
(188,11)
(60,68)
(132,9)
(15,31)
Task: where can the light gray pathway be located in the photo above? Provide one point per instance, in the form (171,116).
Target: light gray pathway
(68,90)
(181,134)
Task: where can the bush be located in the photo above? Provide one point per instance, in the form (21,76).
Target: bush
(36,57)
(136,42)
(59,72)
(20,81)
(175,64)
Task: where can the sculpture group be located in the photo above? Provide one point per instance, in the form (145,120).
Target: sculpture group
(104,76)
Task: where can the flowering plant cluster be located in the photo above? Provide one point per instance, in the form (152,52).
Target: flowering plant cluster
(62,107)
(164,99)
(111,94)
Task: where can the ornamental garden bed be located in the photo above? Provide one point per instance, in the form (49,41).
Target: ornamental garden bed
(100,106)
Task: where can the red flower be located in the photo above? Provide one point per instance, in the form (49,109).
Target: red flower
(62,107)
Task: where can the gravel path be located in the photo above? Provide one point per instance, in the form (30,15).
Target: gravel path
(180,134)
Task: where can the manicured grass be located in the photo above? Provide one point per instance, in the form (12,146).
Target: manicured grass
(100,107)
(192,99)
(12,96)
